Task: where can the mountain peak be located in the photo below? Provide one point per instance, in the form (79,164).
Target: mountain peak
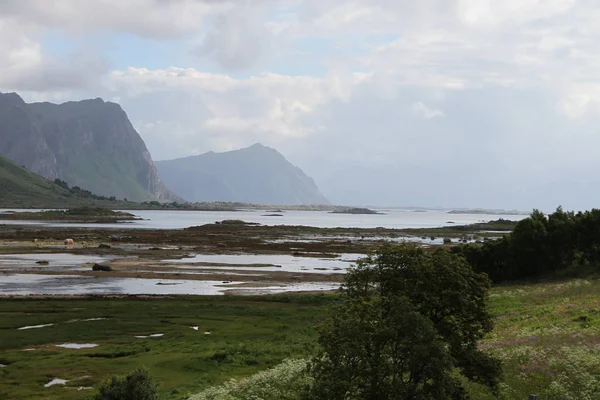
(11,97)
(257,174)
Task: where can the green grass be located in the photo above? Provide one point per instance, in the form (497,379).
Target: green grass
(546,334)
(94,214)
(21,188)
(478,229)
(247,335)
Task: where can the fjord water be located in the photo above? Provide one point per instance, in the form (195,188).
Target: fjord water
(395,218)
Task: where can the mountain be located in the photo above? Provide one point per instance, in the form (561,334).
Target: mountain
(89,143)
(256,174)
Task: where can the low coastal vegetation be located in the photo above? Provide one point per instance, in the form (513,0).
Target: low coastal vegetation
(356,210)
(545,334)
(206,340)
(82,214)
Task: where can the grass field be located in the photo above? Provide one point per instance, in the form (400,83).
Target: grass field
(247,335)
(547,335)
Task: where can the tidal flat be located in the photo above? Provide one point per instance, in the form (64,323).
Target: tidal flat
(140,312)
(229,257)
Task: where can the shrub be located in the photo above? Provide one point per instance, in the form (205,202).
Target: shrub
(138,385)
(285,381)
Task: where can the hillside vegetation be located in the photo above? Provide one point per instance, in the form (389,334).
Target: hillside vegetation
(21,188)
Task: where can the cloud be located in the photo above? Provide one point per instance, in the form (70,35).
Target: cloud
(238,39)
(26,66)
(423,111)
(490,103)
(148,18)
(266,107)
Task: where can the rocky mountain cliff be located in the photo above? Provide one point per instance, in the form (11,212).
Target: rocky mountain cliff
(89,143)
(257,174)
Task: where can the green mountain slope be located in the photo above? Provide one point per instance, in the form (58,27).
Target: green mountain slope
(21,188)
(256,174)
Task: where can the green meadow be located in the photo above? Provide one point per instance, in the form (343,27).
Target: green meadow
(547,336)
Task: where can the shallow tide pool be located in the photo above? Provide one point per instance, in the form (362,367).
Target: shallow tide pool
(32,284)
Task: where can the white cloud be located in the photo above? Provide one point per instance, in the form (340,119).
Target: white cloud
(222,111)
(336,86)
(239,38)
(151,18)
(423,111)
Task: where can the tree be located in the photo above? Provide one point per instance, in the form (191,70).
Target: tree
(407,321)
(138,385)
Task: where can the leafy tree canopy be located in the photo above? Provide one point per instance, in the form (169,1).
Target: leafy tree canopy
(408,320)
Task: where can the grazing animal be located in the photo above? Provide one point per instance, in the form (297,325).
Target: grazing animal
(68,242)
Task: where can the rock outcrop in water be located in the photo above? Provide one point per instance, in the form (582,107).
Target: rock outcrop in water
(256,174)
(89,143)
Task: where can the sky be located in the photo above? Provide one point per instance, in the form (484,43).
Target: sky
(450,103)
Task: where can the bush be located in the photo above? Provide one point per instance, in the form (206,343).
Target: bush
(407,327)
(138,385)
(285,381)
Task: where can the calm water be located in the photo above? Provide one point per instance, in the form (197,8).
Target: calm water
(23,285)
(168,219)
(269,262)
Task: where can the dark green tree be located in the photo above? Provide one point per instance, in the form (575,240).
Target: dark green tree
(408,320)
(530,246)
(138,385)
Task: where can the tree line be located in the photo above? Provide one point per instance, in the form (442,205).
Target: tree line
(538,246)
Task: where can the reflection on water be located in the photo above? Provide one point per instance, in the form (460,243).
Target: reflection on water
(399,219)
(270,262)
(77,346)
(56,261)
(30,284)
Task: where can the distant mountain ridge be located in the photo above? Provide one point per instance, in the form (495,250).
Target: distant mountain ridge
(256,174)
(90,144)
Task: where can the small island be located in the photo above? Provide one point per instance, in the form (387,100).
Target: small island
(84,214)
(356,210)
(480,211)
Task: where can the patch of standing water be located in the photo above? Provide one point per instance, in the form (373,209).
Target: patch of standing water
(56,381)
(32,284)
(56,261)
(77,345)
(270,262)
(151,336)
(298,287)
(213,271)
(33,327)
